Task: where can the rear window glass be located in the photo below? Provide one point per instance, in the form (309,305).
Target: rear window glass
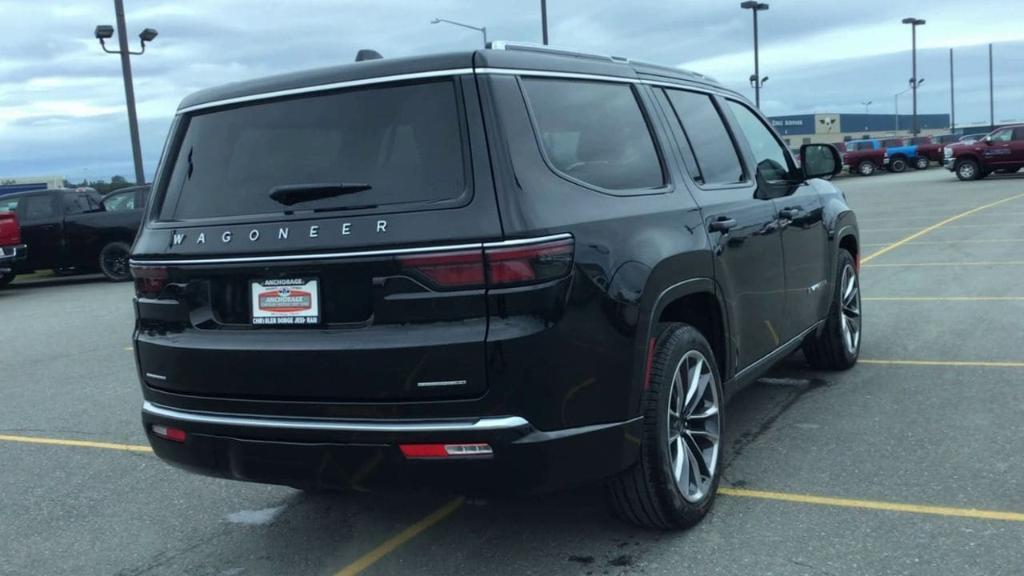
(595,132)
(388,145)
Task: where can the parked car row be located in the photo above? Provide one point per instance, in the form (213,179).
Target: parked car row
(970,156)
(60,229)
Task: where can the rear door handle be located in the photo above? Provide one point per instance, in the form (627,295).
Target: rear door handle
(722,224)
(790,213)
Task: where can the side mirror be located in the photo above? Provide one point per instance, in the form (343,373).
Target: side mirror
(820,161)
(987,140)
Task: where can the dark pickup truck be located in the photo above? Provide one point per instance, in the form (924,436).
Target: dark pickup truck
(66,228)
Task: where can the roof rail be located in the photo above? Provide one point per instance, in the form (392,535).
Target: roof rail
(534,47)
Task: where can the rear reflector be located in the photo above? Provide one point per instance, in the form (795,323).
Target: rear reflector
(493,267)
(149,280)
(169,433)
(445,450)
(649,362)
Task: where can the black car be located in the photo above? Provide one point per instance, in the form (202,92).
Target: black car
(65,228)
(513,268)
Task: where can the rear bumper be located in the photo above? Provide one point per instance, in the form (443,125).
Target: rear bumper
(365,454)
(10,255)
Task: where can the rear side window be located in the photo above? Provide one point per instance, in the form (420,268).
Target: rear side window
(8,204)
(389,145)
(119,201)
(77,203)
(595,132)
(705,131)
(35,208)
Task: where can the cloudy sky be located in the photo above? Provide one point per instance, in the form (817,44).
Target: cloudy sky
(62,101)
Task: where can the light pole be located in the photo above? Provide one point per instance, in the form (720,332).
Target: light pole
(914,23)
(544,20)
(952,98)
(991,92)
(481,29)
(867,106)
(896,104)
(105,32)
(756,81)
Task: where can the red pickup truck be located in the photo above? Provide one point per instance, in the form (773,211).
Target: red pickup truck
(1002,151)
(930,147)
(864,157)
(11,248)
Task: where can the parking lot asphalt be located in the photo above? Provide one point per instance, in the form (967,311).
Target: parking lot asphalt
(910,463)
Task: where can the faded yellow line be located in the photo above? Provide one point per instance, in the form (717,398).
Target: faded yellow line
(931,242)
(875,505)
(936,226)
(943,298)
(948,264)
(955,363)
(391,544)
(75,443)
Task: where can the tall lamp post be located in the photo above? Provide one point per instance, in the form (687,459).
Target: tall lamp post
(756,80)
(106,32)
(914,23)
(867,106)
(544,21)
(481,29)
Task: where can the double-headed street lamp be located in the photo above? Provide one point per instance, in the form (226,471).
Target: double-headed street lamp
(896,101)
(914,81)
(481,29)
(755,81)
(106,32)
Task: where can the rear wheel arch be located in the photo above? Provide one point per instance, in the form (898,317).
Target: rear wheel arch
(695,302)
(849,243)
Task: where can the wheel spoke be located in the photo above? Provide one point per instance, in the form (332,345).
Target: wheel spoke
(680,459)
(847,336)
(697,472)
(707,434)
(693,375)
(848,291)
(707,413)
(677,393)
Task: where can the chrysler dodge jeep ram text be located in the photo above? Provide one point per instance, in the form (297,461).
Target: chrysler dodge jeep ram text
(514,267)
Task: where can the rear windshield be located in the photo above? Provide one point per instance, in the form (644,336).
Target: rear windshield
(382,146)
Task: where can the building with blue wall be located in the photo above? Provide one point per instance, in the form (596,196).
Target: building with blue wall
(827,127)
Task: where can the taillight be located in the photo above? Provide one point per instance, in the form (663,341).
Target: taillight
(494,266)
(10,232)
(448,270)
(149,280)
(476,449)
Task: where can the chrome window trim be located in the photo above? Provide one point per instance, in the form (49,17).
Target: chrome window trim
(477,424)
(429,74)
(326,87)
(339,255)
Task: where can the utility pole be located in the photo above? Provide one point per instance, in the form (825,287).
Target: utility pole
(544,20)
(991,92)
(103,33)
(952,97)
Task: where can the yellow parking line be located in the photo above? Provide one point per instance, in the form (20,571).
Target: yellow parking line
(875,505)
(75,443)
(936,226)
(930,242)
(955,363)
(391,544)
(943,298)
(948,264)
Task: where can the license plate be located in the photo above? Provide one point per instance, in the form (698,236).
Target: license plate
(285,302)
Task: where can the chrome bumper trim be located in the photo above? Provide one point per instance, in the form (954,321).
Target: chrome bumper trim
(474,425)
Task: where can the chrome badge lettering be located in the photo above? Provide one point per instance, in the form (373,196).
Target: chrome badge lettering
(178,238)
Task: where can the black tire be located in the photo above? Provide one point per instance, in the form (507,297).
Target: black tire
(866,168)
(7,278)
(828,348)
(897,164)
(114,261)
(922,163)
(647,494)
(967,169)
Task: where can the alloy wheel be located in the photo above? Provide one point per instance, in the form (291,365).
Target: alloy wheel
(849,310)
(966,170)
(115,263)
(694,423)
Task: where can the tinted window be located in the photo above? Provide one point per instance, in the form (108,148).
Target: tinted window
(595,132)
(769,155)
(35,208)
(119,201)
(405,142)
(1001,136)
(76,203)
(710,141)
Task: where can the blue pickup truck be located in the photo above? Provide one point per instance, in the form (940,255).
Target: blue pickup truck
(902,154)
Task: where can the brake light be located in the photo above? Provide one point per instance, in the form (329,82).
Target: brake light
(493,267)
(149,280)
(529,264)
(10,231)
(448,270)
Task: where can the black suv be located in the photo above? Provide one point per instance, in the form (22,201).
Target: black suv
(514,267)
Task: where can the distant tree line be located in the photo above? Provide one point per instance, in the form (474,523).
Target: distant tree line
(101,186)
